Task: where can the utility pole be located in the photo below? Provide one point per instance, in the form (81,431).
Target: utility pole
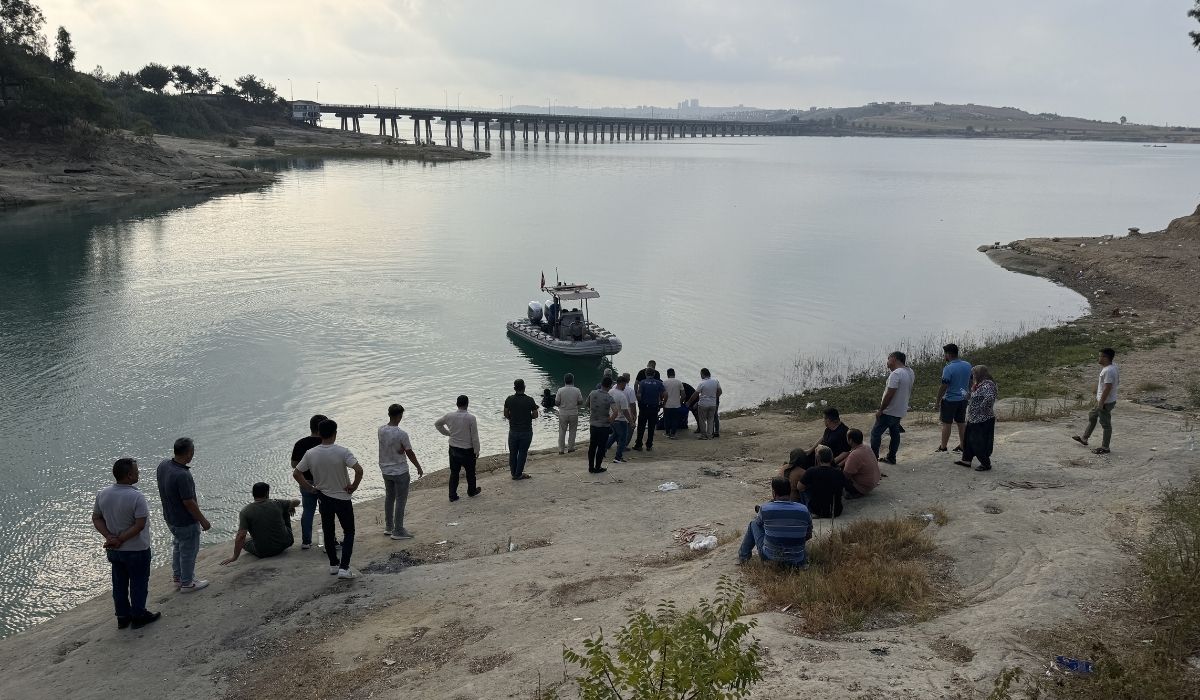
(376,95)
(291,93)
(318,91)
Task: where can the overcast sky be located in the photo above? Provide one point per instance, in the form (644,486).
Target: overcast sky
(1093,58)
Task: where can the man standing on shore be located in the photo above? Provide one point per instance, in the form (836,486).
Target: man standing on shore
(650,394)
(395,449)
(672,402)
(121,516)
(893,407)
(519,411)
(952,396)
(1106,399)
(328,463)
(708,392)
(641,376)
(625,417)
(308,501)
(177,491)
(602,410)
(463,432)
(568,400)
(264,526)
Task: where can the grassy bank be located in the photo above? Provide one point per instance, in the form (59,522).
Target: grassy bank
(1038,365)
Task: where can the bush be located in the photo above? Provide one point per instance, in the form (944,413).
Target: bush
(233,142)
(144,130)
(264,140)
(705,653)
(84,140)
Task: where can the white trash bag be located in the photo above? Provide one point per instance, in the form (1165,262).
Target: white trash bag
(703,544)
(669,486)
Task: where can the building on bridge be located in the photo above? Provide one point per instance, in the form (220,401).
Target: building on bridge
(306,111)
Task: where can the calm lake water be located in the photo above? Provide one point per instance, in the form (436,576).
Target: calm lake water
(350,285)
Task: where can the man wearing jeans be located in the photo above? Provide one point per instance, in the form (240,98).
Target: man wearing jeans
(328,463)
(624,420)
(568,399)
(519,411)
(121,516)
(781,529)
(1106,399)
(177,491)
(395,449)
(463,431)
(308,501)
(893,406)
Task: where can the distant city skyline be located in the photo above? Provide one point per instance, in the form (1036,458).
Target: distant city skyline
(1100,59)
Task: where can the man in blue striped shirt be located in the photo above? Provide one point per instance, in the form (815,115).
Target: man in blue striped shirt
(781,530)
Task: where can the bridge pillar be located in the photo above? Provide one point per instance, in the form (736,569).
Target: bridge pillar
(555,132)
(428,130)
(512,133)
(459,123)
(547,130)
(382,126)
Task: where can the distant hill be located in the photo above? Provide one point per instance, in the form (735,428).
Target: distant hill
(968,121)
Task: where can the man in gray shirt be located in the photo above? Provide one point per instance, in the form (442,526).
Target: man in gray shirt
(178,494)
(121,515)
(602,409)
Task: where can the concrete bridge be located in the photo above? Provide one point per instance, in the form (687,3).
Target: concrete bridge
(564,127)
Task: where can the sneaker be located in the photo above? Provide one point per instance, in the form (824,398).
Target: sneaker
(402,535)
(344,574)
(619,460)
(599,470)
(193,587)
(387,531)
(175,583)
(474,493)
(333,569)
(306,545)
(122,622)
(571,449)
(149,617)
(958,449)
(453,498)
(888,460)
(649,448)
(637,448)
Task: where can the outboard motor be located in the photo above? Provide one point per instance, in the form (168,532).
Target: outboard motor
(534,313)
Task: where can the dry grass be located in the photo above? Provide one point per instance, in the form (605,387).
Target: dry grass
(859,572)
(1040,409)
(940,516)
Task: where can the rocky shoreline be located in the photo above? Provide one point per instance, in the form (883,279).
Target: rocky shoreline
(123,165)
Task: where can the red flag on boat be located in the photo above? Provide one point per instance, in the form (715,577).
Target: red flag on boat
(543,279)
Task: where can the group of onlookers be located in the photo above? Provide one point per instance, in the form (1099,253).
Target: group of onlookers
(617,405)
(812,483)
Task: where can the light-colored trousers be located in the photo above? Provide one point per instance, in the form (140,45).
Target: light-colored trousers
(567,424)
(706,416)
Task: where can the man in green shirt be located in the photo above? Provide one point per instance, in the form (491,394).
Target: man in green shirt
(267,521)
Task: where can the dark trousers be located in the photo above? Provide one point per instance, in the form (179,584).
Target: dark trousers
(1103,415)
(308,502)
(462,458)
(978,442)
(886,424)
(343,510)
(647,418)
(597,446)
(518,451)
(130,581)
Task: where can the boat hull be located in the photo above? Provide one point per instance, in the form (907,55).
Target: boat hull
(599,344)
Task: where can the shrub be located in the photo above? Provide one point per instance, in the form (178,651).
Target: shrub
(264,140)
(705,653)
(84,140)
(233,142)
(144,130)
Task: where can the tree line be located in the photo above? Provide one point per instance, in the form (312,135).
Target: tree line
(42,95)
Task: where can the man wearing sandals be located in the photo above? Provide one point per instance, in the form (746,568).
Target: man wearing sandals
(1106,398)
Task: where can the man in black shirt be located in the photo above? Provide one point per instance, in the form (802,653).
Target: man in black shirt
(822,485)
(308,500)
(834,436)
(519,411)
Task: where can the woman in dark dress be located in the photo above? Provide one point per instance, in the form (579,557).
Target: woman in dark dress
(981,420)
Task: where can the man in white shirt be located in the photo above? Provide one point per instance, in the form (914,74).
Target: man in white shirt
(568,399)
(463,432)
(328,463)
(625,404)
(1106,399)
(673,390)
(395,449)
(893,406)
(705,399)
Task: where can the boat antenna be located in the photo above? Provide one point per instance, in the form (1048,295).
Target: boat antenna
(556,280)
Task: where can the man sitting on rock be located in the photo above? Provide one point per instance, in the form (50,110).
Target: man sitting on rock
(780,530)
(861,468)
(268,523)
(799,460)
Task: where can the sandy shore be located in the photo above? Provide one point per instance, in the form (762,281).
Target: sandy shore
(1038,543)
(41,173)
